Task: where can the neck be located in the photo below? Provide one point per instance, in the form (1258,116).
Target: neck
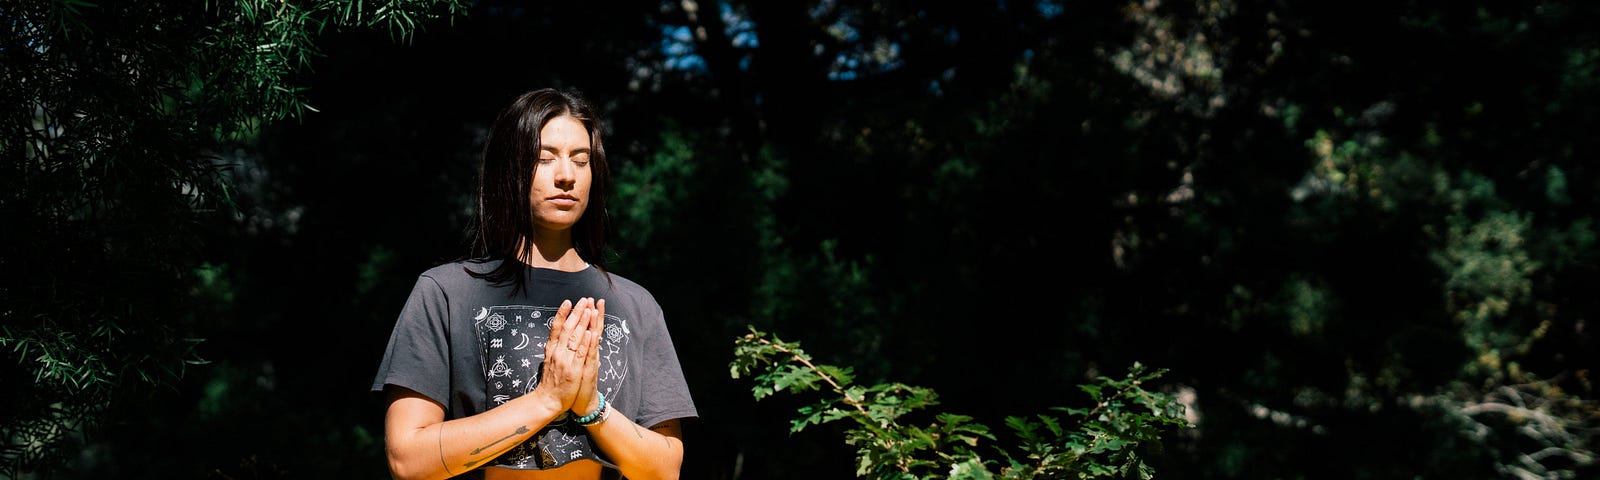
(553,250)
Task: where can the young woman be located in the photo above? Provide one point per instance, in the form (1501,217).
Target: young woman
(528,360)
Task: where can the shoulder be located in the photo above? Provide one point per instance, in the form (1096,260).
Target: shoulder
(624,284)
(455,273)
(626,289)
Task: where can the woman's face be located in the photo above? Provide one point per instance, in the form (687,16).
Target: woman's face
(561,180)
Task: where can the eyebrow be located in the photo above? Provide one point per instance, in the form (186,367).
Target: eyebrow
(575,151)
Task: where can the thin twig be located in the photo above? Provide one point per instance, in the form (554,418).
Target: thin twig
(854,402)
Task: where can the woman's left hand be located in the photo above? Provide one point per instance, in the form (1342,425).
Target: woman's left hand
(586,401)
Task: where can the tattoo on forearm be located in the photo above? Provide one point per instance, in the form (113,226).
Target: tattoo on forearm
(441,452)
(664,436)
(636,431)
(520,430)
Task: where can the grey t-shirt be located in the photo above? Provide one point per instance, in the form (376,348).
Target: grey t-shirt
(471,346)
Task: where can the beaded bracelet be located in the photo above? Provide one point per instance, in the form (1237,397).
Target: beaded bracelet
(598,416)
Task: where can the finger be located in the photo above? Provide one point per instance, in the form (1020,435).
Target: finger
(580,350)
(557,323)
(591,361)
(595,321)
(573,340)
(584,322)
(593,307)
(591,316)
(573,314)
(594,353)
(566,307)
(599,325)
(571,325)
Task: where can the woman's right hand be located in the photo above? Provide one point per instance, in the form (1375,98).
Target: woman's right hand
(570,340)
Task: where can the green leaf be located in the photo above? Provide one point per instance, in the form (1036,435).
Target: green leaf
(1092,390)
(971,469)
(842,376)
(1051,424)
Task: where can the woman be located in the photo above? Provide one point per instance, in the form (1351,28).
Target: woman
(528,360)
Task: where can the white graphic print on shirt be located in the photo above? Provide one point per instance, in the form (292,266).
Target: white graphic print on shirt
(514,338)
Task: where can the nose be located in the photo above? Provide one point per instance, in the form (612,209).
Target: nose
(565,175)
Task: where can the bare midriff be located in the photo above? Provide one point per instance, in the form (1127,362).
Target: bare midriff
(583,469)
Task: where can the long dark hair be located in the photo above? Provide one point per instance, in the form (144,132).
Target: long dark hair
(505,182)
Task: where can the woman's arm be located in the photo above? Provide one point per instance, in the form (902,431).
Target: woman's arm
(422,445)
(641,453)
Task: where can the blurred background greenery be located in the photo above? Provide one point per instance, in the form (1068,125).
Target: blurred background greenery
(1361,235)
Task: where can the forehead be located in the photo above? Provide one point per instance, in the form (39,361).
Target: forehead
(563,133)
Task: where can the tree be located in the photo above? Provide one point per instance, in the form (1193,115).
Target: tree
(115,118)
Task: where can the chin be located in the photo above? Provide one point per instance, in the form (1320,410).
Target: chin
(557,224)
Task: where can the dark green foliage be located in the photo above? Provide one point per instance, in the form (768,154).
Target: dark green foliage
(113,122)
(1101,440)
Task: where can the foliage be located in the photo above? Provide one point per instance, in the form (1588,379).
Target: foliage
(112,125)
(1095,442)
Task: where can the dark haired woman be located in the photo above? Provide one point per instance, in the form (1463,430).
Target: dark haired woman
(528,360)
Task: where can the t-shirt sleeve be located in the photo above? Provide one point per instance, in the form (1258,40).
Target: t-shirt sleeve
(418,356)
(666,393)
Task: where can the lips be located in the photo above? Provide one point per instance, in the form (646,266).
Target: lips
(563,200)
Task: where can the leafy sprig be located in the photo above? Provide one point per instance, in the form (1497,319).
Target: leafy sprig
(1101,441)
